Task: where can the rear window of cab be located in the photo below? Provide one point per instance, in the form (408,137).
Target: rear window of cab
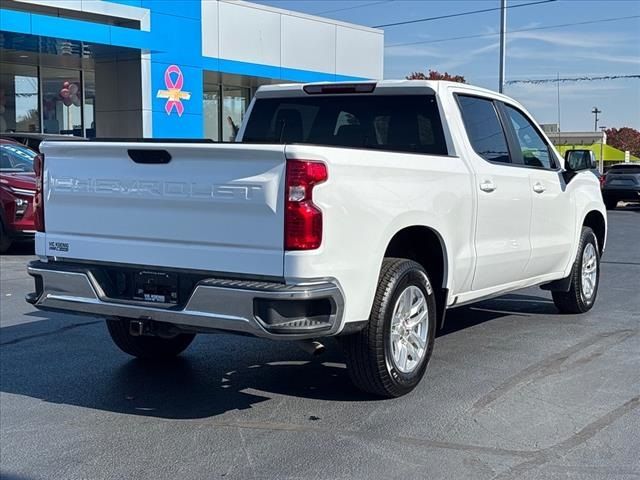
(631,168)
(403,123)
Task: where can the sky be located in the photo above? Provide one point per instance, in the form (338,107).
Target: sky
(604,48)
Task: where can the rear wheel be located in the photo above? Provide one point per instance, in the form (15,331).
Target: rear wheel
(145,346)
(585,277)
(389,357)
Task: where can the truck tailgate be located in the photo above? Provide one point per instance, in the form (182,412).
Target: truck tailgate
(211,207)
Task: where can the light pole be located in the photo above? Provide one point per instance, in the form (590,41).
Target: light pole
(558,85)
(503,44)
(595,111)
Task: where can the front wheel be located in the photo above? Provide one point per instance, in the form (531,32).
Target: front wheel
(389,357)
(585,277)
(144,346)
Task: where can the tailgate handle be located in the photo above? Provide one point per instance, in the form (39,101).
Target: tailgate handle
(149,156)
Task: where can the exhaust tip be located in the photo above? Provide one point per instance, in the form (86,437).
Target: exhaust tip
(312,347)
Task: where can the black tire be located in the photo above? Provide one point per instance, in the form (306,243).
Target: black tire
(368,352)
(146,347)
(610,203)
(5,241)
(575,300)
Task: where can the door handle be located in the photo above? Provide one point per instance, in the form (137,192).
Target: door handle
(487,186)
(538,187)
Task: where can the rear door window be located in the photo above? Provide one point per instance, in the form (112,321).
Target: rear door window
(404,123)
(484,129)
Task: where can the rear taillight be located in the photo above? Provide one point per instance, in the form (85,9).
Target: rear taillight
(603,179)
(302,219)
(38,199)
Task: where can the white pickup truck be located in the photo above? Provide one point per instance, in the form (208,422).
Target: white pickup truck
(360,210)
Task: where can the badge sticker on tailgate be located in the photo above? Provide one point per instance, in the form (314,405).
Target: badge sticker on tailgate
(58,246)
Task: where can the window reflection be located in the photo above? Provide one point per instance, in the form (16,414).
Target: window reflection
(61,101)
(234,104)
(222,119)
(19,98)
(89,104)
(211,111)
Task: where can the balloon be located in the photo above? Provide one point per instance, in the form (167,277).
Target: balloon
(73,88)
(75,100)
(65,93)
(65,84)
(66,101)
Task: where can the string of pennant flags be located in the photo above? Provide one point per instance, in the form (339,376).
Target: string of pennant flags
(571,79)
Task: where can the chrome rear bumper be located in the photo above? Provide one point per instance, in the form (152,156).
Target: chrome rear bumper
(239,306)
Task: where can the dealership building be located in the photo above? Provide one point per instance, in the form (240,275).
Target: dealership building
(163,69)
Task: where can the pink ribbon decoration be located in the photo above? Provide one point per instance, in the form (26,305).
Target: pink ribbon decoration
(173,93)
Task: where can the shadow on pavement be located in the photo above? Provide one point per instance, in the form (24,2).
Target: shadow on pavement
(78,365)
(218,373)
(511,304)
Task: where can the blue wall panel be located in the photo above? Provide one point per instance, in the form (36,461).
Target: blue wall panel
(192,83)
(130,38)
(131,3)
(18,22)
(175,8)
(190,123)
(187,126)
(47,26)
(70,29)
(176,39)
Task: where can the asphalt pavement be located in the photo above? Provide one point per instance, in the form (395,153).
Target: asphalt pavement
(513,391)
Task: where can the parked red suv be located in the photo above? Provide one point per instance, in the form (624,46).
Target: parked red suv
(17,187)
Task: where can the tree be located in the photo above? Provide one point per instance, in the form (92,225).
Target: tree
(624,139)
(436,75)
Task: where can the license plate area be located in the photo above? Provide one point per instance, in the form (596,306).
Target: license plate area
(155,287)
(132,283)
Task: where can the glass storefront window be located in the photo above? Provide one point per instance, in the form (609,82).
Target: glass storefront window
(61,101)
(211,111)
(19,98)
(235,101)
(222,119)
(89,104)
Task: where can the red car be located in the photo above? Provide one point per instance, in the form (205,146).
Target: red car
(17,187)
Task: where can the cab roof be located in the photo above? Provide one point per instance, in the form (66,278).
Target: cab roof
(407,87)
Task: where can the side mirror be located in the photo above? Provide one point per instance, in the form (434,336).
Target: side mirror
(576,161)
